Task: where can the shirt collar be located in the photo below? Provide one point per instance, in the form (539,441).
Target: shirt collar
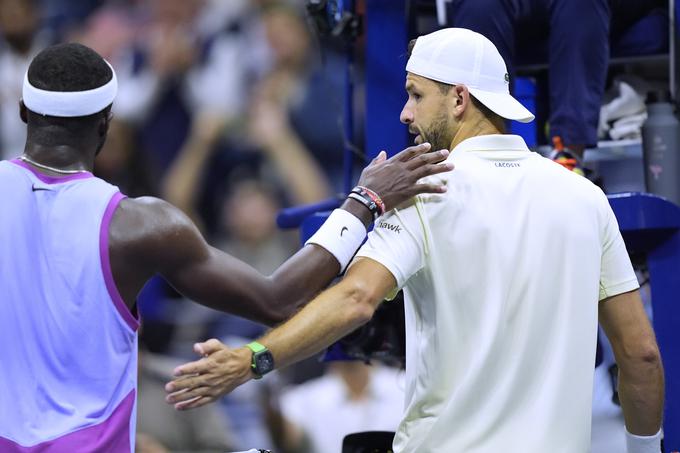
(495,142)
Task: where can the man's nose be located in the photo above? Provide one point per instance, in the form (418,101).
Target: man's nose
(406,116)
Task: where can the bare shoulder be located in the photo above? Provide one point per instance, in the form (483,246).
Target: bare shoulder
(152,210)
(152,230)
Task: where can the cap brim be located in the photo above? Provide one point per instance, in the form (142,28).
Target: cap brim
(503,104)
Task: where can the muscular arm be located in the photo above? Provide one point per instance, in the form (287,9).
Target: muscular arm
(149,236)
(641,379)
(332,315)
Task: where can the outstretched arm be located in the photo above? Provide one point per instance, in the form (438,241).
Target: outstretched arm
(332,315)
(149,236)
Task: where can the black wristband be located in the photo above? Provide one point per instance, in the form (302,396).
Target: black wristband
(366,201)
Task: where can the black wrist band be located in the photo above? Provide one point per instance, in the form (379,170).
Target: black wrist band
(366,201)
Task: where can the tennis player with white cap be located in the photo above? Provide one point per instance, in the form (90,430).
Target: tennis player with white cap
(501,318)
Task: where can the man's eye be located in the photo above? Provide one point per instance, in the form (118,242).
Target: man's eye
(417,96)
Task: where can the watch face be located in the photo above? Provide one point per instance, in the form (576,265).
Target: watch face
(264,362)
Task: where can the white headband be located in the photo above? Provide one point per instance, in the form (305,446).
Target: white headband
(69,103)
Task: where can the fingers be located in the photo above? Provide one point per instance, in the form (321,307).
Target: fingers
(185,395)
(428,188)
(184,404)
(380,158)
(428,158)
(193,404)
(411,152)
(197,367)
(208,347)
(194,391)
(432,169)
(185,383)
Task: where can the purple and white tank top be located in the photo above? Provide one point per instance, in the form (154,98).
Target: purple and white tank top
(68,360)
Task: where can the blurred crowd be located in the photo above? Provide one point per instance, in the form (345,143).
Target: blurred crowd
(230,110)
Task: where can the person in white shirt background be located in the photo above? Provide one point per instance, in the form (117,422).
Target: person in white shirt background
(350,397)
(503,287)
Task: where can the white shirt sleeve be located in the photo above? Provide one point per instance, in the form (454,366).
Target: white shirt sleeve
(398,242)
(616,272)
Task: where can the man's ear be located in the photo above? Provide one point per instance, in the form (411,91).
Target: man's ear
(105,122)
(461,99)
(23,111)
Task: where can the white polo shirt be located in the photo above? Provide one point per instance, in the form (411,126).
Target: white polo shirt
(502,277)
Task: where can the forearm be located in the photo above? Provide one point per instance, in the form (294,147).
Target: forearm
(641,392)
(225,283)
(300,278)
(310,270)
(331,316)
(328,318)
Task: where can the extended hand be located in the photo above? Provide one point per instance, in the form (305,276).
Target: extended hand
(395,179)
(219,372)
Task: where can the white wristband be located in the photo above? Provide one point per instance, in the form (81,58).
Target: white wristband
(643,444)
(341,234)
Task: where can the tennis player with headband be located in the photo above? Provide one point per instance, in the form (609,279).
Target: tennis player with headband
(75,253)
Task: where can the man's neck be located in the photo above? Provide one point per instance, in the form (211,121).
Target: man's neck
(472,128)
(61,157)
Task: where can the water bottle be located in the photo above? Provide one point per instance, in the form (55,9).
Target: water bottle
(661,147)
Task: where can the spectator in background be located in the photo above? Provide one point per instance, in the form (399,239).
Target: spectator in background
(297,107)
(249,224)
(578,34)
(60,16)
(271,131)
(21,41)
(175,68)
(351,397)
(109,29)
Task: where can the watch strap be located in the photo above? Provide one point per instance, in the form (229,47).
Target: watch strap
(256,347)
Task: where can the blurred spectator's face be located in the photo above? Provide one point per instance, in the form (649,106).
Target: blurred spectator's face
(18,23)
(176,12)
(287,37)
(107,31)
(250,213)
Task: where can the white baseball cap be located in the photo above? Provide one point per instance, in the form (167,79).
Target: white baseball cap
(458,56)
